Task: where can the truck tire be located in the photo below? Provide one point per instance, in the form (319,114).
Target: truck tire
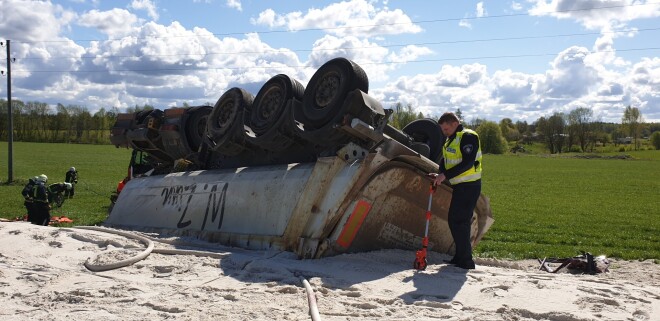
(271,100)
(327,89)
(196,126)
(426,131)
(225,123)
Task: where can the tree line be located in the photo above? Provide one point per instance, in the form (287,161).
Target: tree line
(576,131)
(38,122)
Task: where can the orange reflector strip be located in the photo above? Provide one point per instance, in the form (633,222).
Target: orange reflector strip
(353,223)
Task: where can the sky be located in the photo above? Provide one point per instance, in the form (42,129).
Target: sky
(491,59)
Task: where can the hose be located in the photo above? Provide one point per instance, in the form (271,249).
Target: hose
(150,249)
(311,297)
(126,262)
(311,300)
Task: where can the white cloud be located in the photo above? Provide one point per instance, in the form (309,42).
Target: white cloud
(236,4)
(514,87)
(481,10)
(516,6)
(33,20)
(614,15)
(368,55)
(146,5)
(166,65)
(348,18)
(409,53)
(465,23)
(571,76)
(376,60)
(114,23)
(644,87)
(464,87)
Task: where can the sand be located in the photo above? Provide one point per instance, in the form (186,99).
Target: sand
(43,277)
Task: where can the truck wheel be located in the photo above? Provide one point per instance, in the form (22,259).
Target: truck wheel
(328,88)
(196,126)
(225,123)
(426,131)
(270,102)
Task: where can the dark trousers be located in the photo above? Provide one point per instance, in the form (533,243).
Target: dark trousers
(463,201)
(29,206)
(41,213)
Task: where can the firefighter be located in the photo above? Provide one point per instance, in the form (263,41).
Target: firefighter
(461,166)
(71,178)
(56,192)
(41,208)
(27,195)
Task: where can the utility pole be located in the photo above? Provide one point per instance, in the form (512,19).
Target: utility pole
(10,129)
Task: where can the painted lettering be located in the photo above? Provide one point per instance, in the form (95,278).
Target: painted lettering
(215,204)
(180,197)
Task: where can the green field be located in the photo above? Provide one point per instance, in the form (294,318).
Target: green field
(100,168)
(544,206)
(557,206)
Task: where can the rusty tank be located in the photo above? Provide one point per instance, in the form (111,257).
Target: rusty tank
(314,170)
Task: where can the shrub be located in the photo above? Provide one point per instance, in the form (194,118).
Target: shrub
(655,139)
(490,137)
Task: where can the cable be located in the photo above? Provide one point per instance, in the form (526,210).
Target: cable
(354,48)
(300,67)
(366,26)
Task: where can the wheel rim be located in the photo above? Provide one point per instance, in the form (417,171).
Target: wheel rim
(327,89)
(271,103)
(226,115)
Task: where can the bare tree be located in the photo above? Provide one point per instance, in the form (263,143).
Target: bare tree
(551,131)
(632,122)
(579,126)
(402,115)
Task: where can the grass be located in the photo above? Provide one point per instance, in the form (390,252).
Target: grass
(99,167)
(558,206)
(544,206)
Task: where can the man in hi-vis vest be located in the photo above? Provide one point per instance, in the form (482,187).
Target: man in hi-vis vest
(461,166)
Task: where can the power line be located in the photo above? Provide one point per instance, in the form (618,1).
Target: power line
(360,63)
(362,26)
(358,48)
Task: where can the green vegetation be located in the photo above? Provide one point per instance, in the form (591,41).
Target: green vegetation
(544,205)
(560,205)
(655,140)
(100,167)
(490,138)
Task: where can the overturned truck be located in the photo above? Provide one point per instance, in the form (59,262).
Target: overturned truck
(316,171)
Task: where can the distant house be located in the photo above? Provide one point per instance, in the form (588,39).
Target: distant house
(624,140)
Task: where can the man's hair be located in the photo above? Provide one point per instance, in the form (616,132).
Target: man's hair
(447,118)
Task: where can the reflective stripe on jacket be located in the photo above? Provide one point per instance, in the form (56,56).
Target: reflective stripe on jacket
(453,156)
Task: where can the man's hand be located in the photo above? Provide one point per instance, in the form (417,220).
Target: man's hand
(436,178)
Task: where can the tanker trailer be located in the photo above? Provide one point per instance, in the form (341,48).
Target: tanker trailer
(316,171)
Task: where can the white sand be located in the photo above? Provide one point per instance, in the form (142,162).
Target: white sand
(43,277)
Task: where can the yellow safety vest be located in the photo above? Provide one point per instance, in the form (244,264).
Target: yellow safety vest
(453,156)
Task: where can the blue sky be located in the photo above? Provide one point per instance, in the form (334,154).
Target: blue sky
(492,59)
